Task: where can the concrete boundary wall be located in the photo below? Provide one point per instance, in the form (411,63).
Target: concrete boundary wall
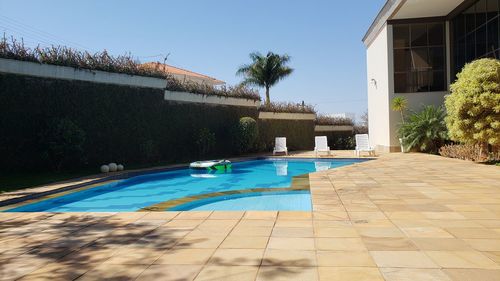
(70,73)
(287,116)
(185,97)
(333,128)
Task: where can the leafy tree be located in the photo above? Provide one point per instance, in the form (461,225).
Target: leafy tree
(425,130)
(400,104)
(474,104)
(265,71)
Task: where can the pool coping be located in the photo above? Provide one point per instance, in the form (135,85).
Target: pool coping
(61,191)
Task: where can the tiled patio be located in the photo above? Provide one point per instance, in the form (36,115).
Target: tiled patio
(401,217)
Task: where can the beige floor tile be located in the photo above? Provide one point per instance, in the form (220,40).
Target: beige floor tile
(486,245)
(185,256)
(349,273)
(293,223)
(251,231)
(412,274)
(473,274)
(227,273)
(135,256)
(291,215)
(391,232)
(443,215)
(193,215)
(389,244)
(474,233)
(494,256)
(226,215)
(328,215)
(340,244)
(260,215)
(170,272)
(367,215)
(441,244)
(254,223)
(339,232)
(245,242)
(426,232)
(187,223)
(283,273)
(291,243)
(114,272)
(462,259)
(200,242)
(293,232)
(160,216)
(289,258)
(408,259)
(57,271)
(237,257)
(335,258)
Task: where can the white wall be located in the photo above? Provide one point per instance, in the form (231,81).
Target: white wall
(70,73)
(379,88)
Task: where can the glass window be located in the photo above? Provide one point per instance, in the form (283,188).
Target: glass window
(401,36)
(418,34)
(476,33)
(419,57)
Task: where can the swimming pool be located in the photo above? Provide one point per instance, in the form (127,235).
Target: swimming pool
(264,184)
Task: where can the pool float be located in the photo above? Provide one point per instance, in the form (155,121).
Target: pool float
(220,165)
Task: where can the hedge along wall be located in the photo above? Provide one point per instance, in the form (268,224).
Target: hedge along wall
(123,124)
(299,133)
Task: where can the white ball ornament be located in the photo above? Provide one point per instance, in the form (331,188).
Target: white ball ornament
(112,167)
(104,169)
(120,167)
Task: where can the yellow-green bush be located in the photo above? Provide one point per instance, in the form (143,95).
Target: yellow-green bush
(473,106)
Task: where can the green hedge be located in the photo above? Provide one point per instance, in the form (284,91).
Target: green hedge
(339,140)
(299,133)
(121,124)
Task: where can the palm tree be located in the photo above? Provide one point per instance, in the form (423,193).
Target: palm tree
(400,104)
(265,71)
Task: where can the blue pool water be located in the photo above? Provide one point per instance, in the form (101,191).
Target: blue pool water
(146,190)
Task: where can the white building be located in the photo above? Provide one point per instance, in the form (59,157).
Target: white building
(414,50)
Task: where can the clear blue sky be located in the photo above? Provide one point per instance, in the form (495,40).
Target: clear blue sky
(215,37)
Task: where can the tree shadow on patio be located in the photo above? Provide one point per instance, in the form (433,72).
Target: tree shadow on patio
(65,246)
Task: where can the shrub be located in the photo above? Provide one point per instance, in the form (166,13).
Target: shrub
(65,56)
(425,130)
(335,121)
(463,151)
(287,107)
(205,142)
(474,104)
(247,134)
(63,144)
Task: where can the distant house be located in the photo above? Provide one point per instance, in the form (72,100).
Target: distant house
(183,74)
(415,48)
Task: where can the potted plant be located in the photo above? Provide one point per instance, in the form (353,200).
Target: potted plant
(400,104)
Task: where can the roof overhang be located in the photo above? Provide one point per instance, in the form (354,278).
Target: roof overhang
(410,9)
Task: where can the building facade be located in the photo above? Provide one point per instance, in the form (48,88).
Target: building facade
(415,48)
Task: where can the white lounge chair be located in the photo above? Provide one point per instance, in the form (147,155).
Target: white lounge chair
(321,145)
(280,146)
(322,166)
(281,168)
(363,145)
